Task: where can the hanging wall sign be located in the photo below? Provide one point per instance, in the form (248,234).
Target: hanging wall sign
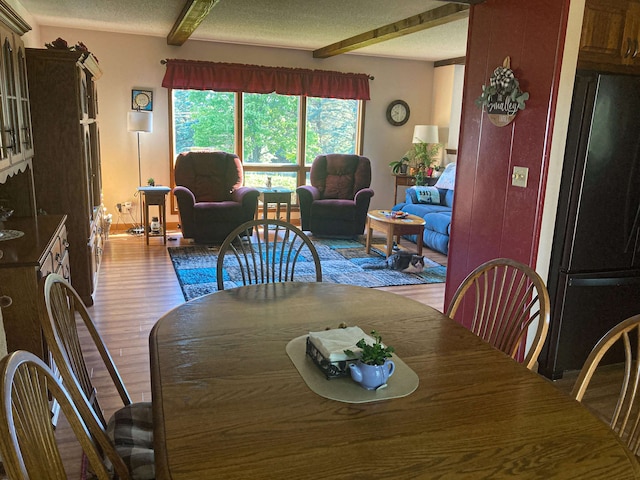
(502,98)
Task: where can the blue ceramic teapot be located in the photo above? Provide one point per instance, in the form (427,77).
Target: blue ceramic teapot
(372,376)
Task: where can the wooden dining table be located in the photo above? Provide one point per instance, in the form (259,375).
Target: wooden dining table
(229,403)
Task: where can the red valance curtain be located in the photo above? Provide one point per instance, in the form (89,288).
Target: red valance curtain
(235,77)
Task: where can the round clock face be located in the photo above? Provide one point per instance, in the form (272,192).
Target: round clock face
(142,99)
(398,113)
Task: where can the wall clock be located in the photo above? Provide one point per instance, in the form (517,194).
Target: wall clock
(142,100)
(398,113)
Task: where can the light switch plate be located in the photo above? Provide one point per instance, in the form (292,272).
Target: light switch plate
(520,176)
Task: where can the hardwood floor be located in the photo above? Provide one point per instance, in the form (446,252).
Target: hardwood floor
(137,285)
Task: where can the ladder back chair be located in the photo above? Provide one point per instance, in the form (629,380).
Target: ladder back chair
(274,254)
(502,298)
(130,428)
(27,443)
(625,419)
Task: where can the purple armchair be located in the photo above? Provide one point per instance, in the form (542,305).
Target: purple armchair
(211,199)
(337,201)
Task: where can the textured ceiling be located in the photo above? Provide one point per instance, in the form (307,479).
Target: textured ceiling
(301,24)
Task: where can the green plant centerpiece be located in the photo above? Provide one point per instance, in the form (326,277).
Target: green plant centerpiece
(374,367)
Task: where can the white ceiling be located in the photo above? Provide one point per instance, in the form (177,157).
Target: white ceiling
(301,24)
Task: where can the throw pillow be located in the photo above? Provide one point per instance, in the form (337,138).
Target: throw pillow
(429,195)
(448,178)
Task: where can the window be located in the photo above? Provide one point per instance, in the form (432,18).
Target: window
(276,136)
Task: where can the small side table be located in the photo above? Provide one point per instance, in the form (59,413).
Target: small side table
(405,181)
(154,196)
(278,196)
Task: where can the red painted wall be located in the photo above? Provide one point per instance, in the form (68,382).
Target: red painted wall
(491,218)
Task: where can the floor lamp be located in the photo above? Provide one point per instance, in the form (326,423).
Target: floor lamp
(139,121)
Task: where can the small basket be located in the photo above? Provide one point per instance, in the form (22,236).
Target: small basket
(330,369)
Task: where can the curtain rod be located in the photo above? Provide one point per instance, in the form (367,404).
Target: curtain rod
(164,62)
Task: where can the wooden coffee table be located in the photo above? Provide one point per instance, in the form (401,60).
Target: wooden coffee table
(394,227)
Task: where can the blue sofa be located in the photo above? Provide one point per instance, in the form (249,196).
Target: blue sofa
(434,204)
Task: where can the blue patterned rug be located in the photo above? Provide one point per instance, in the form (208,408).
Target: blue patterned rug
(342,262)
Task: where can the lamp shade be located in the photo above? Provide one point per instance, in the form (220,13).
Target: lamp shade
(140,121)
(425,134)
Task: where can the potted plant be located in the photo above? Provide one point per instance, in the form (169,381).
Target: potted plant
(422,159)
(374,367)
(400,167)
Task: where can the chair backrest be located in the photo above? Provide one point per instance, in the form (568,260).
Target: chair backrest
(211,176)
(501,299)
(340,176)
(27,443)
(269,256)
(625,420)
(62,310)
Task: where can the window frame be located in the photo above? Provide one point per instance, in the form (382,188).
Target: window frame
(300,168)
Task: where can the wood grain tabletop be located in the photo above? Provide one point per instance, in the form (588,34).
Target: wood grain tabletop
(229,403)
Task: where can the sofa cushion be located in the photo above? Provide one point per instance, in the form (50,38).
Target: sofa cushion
(428,195)
(438,222)
(422,209)
(447,180)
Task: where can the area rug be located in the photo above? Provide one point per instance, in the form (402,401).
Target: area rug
(342,261)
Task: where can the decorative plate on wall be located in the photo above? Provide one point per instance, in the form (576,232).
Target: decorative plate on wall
(142,100)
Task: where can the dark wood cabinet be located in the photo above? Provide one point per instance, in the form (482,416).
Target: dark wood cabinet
(66,164)
(16,140)
(42,249)
(610,38)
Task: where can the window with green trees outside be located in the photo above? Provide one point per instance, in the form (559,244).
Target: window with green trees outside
(276,136)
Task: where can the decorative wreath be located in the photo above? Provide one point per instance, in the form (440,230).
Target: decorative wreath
(502,85)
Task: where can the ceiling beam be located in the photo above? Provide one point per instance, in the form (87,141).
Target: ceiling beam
(432,18)
(450,61)
(193,13)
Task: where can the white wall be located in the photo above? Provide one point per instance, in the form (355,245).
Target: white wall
(447,105)
(131,61)
(560,130)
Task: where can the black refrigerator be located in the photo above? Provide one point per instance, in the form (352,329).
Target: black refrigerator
(594,278)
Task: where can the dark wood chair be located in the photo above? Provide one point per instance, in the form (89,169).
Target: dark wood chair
(498,301)
(266,251)
(28,443)
(625,419)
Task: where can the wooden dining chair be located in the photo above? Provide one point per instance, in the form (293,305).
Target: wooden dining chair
(625,419)
(499,300)
(130,428)
(269,256)
(27,439)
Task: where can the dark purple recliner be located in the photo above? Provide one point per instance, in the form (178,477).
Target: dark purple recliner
(211,199)
(337,201)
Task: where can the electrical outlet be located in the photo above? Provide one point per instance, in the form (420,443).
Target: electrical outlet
(520,177)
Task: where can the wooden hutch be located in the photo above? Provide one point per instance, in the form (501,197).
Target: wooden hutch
(67,173)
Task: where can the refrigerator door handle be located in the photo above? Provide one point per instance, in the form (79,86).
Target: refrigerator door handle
(603,282)
(634,231)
